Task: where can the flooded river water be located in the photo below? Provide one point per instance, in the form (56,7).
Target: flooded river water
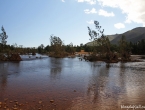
(70,84)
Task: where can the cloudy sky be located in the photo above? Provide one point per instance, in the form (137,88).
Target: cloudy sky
(31,22)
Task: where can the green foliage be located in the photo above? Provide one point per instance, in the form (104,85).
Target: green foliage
(40,48)
(78,48)
(124,45)
(87,48)
(57,46)
(99,39)
(70,48)
(138,47)
(95,36)
(124,48)
(114,48)
(104,44)
(3,36)
(47,48)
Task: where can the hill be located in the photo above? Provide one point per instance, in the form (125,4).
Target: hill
(133,36)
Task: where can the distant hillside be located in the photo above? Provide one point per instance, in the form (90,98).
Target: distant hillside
(133,36)
(111,37)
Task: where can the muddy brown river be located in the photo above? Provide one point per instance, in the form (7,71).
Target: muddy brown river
(70,84)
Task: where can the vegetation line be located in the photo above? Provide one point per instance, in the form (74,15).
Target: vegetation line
(101,49)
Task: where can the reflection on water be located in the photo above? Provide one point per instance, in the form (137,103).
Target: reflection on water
(73,84)
(7,69)
(56,68)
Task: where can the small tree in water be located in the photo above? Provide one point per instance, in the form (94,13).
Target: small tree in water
(94,35)
(57,46)
(99,39)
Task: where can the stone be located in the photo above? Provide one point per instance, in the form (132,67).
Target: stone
(6,99)
(40,102)
(51,101)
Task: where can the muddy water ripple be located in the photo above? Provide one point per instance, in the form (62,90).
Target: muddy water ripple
(70,84)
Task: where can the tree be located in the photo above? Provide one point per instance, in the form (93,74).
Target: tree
(70,49)
(40,48)
(99,39)
(3,37)
(78,48)
(57,46)
(124,49)
(102,43)
(47,48)
(94,35)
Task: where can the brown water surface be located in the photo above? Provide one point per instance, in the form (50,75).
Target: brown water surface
(70,84)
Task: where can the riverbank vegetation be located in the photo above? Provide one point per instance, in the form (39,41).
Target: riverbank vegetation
(101,49)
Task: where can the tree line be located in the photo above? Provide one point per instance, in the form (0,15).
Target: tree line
(101,44)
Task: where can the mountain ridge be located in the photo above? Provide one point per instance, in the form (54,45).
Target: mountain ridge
(133,36)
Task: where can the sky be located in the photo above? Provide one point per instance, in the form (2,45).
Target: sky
(31,22)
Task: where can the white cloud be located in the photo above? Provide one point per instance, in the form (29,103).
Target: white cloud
(90,22)
(62,0)
(80,0)
(134,9)
(119,25)
(92,2)
(87,11)
(105,13)
(100,12)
